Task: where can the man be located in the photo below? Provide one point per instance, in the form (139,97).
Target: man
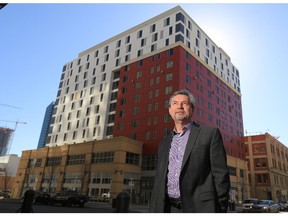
(191,173)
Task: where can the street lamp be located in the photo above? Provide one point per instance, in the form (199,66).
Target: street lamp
(131,185)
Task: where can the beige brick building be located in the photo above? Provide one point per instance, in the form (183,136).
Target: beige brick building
(91,168)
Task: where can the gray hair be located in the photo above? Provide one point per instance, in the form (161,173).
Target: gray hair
(184,92)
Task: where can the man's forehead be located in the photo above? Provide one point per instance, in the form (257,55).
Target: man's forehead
(180,97)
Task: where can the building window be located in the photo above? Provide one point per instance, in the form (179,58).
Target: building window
(134,123)
(73,178)
(169,64)
(170,30)
(143,42)
(139,34)
(232,170)
(132,158)
(113,96)
(155,37)
(168,90)
(152,28)
(122,113)
(105,49)
(112,107)
(128,48)
(169,76)
(179,37)
(123,101)
(136,98)
(180,17)
(138,85)
(139,53)
(170,52)
(53,161)
(111,118)
(103,157)
(127,39)
(149,162)
(167,42)
(35,162)
(262,179)
(109,131)
(76,159)
(167,21)
(179,28)
(259,148)
(140,63)
(139,74)
(188,80)
(167,118)
(153,47)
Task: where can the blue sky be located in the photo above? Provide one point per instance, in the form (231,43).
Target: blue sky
(38,39)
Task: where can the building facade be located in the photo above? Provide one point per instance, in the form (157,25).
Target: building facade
(92,168)
(45,125)
(268,167)
(8,169)
(5,139)
(121,87)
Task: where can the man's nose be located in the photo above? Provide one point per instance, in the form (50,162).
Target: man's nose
(180,105)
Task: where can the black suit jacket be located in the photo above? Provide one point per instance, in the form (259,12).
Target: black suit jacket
(204,178)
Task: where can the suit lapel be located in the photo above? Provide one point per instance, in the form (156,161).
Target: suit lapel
(195,129)
(166,149)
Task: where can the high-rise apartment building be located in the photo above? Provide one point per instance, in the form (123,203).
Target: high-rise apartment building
(5,139)
(45,125)
(121,87)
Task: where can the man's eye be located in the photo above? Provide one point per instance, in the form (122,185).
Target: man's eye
(185,103)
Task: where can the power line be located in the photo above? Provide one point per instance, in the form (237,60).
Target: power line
(7,105)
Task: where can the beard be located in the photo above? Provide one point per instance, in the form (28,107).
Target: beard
(179,117)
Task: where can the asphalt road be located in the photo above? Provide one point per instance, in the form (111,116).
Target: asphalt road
(11,206)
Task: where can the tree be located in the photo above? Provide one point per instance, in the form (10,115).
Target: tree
(85,177)
(6,180)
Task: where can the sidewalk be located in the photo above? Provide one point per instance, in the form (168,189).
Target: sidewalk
(134,208)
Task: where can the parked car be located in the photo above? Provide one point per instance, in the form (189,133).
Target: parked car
(248,203)
(5,194)
(285,205)
(281,206)
(69,198)
(265,206)
(105,196)
(42,197)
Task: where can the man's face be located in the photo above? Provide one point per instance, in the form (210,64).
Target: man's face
(180,109)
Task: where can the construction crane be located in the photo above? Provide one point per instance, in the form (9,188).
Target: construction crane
(16,124)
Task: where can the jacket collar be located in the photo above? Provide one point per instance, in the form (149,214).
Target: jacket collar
(195,129)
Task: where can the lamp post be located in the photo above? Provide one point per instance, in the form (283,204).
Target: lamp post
(131,185)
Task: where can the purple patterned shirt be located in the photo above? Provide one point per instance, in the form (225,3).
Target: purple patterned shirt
(176,154)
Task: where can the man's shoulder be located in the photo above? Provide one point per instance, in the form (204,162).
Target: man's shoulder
(204,127)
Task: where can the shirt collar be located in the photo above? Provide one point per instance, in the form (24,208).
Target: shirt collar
(185,128)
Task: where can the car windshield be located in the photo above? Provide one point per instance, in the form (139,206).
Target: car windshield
(264,202)
(249,201)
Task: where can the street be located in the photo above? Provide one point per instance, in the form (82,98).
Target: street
(11,206)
